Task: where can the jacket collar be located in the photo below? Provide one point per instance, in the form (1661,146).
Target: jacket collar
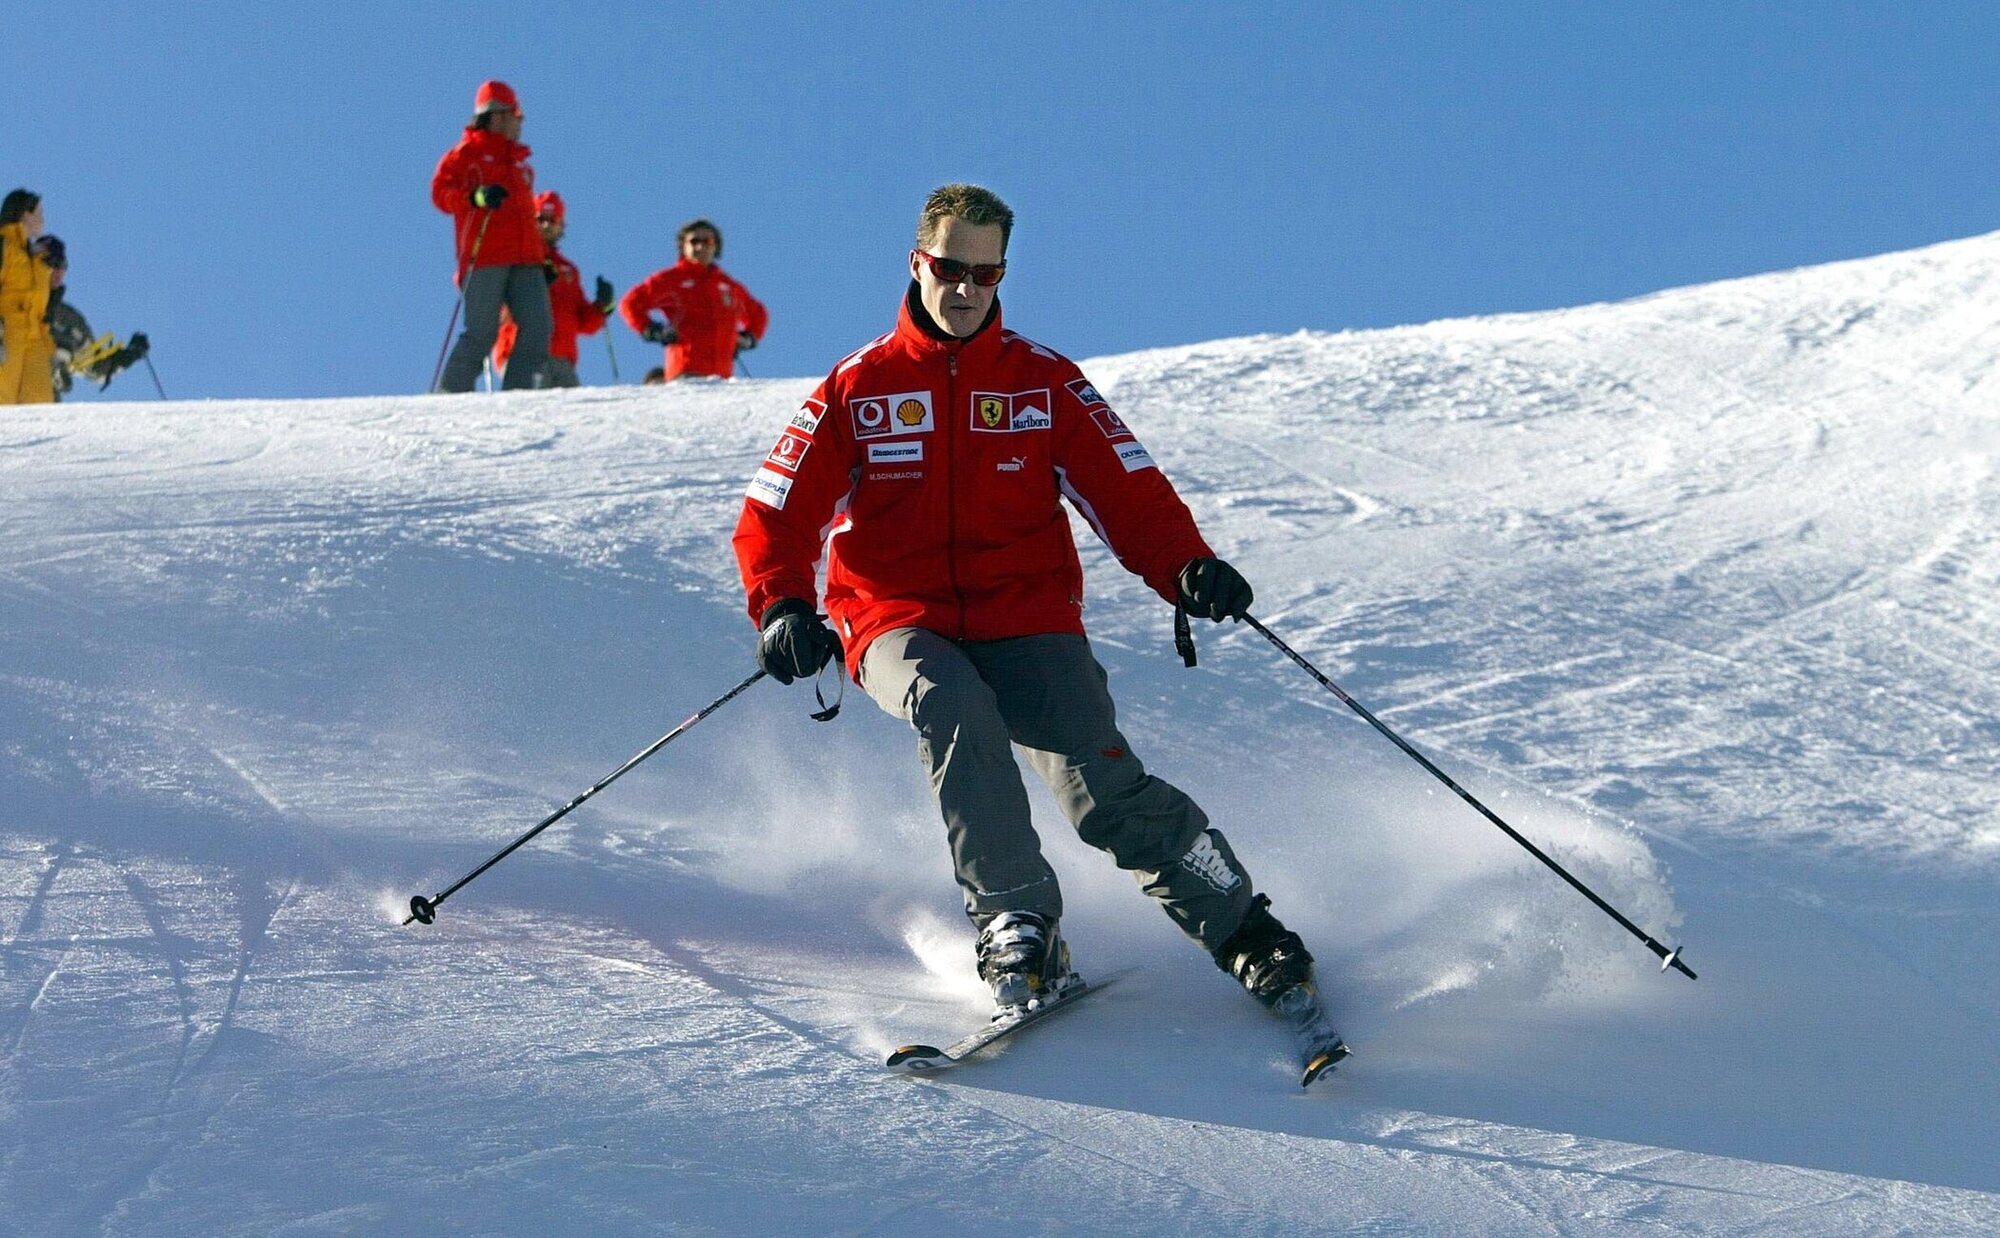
(486,137)
(924,338)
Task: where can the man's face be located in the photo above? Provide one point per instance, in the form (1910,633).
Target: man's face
(31,222)
(699,246)
(552,228)
(959,308)
(506,122)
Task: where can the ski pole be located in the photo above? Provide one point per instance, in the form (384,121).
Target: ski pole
(1668,958)
(425,909)
(612,353)
(459,306)
(156,377)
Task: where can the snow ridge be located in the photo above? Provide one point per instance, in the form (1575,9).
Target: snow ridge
(1696,590)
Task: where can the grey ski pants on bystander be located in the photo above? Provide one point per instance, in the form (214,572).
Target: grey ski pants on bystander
(525,293)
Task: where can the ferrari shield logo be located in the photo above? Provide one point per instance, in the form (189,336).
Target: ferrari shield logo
(992,411)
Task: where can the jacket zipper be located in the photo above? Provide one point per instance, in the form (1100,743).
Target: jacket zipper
(951,491)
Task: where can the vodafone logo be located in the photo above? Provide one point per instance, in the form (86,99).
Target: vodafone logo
(790,451)
(870,417)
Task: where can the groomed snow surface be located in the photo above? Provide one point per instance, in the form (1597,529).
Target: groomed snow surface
(1699,591)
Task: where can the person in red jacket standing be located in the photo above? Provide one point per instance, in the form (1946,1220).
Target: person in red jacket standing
(571,312)
(708,317)
(930,467)
(488,188)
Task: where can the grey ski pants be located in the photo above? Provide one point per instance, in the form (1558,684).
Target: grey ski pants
(971,701)
(524,290)
(556,372)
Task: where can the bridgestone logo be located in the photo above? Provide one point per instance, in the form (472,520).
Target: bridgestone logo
(895,453)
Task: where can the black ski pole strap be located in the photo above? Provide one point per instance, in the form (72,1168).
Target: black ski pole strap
(1183,636)
(826,712)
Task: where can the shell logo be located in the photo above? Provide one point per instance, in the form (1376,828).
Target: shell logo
(911,412)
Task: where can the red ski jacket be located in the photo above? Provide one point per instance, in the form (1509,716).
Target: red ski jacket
(571,312)
(933,471)
(483,157)
(707,309)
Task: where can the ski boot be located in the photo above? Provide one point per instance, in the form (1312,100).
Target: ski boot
(1274,966)
(1023,958)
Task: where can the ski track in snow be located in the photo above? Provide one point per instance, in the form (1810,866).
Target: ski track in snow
(1697,590)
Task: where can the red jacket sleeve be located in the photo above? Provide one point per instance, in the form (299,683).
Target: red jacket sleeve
(451,184)
(753,316)
(792,503)
(589,319)
(1107,474)
(655,292)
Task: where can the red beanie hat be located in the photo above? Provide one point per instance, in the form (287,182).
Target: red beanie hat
(549,203)
(492,95)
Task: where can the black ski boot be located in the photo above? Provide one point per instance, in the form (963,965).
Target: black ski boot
(1023,958)
(1274,966)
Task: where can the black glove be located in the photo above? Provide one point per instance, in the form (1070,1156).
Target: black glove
(658,332)
(606,296)
(796,642)
(745,341)
(1212,588)
(550,272)
(486,197)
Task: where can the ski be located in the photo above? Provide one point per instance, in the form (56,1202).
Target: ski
(1323,1059)
(1320,1046)
(922,1059)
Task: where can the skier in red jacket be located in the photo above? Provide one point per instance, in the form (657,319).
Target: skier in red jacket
(931,467)
(709,317)
(571,312)
(488,188)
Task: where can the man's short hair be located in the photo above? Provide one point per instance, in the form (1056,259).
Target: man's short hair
(975,204)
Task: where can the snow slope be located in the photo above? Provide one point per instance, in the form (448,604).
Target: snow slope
(1697,590)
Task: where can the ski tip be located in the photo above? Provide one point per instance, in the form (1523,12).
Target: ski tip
(1324,1061)
(915,1058)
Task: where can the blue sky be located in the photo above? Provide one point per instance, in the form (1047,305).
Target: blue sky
(249,184)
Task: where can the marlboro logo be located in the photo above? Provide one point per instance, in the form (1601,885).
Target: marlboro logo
(1010,412)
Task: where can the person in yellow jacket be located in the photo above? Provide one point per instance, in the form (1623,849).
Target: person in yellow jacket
(27,350)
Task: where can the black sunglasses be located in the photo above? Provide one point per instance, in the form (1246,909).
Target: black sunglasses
(952,271)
